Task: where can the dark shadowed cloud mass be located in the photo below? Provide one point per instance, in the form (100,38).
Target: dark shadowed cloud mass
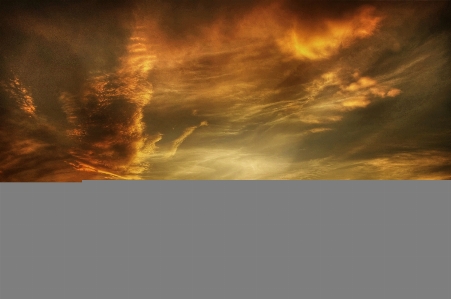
(225,90)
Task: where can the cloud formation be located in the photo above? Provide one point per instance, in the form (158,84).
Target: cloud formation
(215,90)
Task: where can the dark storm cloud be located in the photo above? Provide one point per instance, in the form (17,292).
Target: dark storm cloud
(30,147)
(53,48)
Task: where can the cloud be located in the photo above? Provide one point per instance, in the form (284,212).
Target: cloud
(393,92)
(426,165)
(177,142)
(107,117)
(281,89)
(361,83)
(331,35)
(27,140)
(104,131)
(360,102)
(21,95)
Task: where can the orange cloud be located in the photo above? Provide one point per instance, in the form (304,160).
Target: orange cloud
(335,34)
(371,86)
(359,102)
(393,92)
(21,95)
(363,82)
(378,92)
(177,142)
(318,130)
(302,39)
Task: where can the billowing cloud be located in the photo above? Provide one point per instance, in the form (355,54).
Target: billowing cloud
(330,35)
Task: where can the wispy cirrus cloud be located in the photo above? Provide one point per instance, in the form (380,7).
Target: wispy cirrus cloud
(177,142)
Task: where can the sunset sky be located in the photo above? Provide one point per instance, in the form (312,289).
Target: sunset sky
(225,90)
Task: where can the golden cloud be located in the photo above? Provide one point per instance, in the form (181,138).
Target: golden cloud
(298,38)
(361,83)
(359,102)
(21,95)
(333,35)
(177,142)
(393,92)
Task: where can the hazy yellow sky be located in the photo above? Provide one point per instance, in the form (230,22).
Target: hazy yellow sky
(171,90)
